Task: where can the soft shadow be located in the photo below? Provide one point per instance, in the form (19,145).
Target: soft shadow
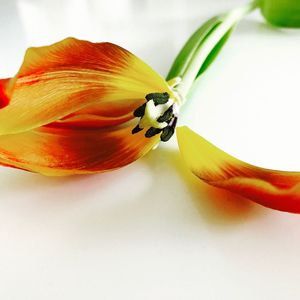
(28,181)
(68,189)
(217,206)
(249,26)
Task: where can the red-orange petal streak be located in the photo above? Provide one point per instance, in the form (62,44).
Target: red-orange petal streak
(61,151)
(274,189)
(4,98)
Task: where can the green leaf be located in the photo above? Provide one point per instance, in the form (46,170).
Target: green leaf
(214,53)
(186,54)
(285,13)
(204,46)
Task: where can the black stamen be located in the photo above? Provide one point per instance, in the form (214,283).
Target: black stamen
(167,115)
(173,122)
(152,131)
(136,129)
(158,98)
(140,111)
(167,133)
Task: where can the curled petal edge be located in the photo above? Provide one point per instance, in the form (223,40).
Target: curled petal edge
(279,190)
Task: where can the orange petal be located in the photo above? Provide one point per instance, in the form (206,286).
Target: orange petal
(274,189)
(61,151)
(60,80)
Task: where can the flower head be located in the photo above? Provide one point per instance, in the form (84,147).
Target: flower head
(70,109)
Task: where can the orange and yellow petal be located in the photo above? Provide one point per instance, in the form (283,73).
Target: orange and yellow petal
(62,151)
(60,80)
(274,189)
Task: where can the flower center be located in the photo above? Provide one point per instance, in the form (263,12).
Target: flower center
(159,114)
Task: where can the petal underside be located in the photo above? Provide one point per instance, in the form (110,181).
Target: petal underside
(275,189)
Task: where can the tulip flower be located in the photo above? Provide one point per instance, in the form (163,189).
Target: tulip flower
(77,107)
(69,109)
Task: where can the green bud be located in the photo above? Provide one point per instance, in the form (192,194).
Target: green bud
(285,13)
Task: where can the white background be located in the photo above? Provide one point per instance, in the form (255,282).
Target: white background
(151,230)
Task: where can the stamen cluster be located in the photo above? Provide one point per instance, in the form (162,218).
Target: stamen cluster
(159,114)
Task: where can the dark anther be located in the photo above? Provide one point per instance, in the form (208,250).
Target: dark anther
(140,111)
(167,133)
(167,115)
(158,98)
(136,129)
(173,122)
(152,131)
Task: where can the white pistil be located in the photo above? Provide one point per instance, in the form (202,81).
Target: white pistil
(153,112)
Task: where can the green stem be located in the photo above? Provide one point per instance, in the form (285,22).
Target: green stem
(229,21)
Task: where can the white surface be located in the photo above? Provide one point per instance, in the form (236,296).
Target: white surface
(151,230)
